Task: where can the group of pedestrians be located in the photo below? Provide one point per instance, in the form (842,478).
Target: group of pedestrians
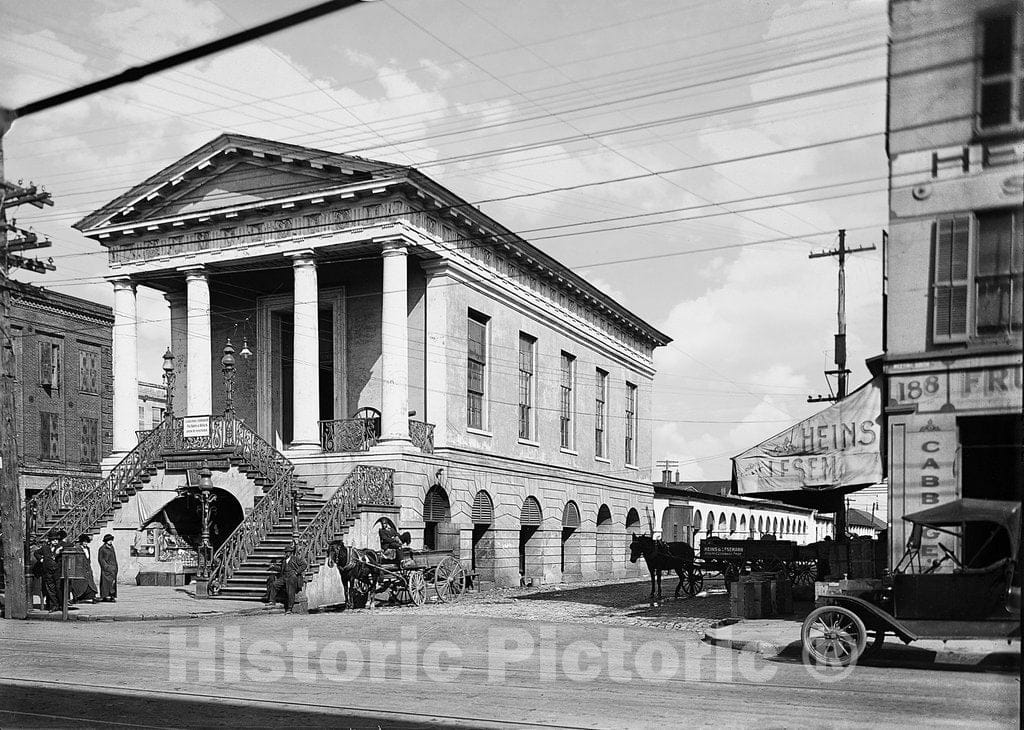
(82,588)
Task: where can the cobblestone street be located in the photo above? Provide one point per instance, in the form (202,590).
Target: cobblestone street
(599,602)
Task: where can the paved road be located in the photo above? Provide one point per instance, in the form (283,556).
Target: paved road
(403,669)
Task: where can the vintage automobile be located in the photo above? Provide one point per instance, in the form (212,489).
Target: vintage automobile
(974,601)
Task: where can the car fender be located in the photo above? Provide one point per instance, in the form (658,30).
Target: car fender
(874,617)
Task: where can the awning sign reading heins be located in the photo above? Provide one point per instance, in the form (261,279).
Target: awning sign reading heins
(836,448)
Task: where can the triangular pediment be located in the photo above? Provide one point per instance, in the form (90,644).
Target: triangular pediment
(234,170)
(242,183)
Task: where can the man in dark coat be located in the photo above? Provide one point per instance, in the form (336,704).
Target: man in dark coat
(83,589)
(291,579)
(108,569)
(47,569)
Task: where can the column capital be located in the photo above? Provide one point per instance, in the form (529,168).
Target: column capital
(397,247)
(197,271)
(121,283)
(436,267)
(302,257)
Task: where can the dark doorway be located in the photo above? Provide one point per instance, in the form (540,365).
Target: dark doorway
(182,518)
(325,322)
(992,469)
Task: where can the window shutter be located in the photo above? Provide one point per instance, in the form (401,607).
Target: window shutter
(44,435)
(570,516)
(950,287)
(483,509)
(436,507)
(530,515)
(45,363)
(54,437)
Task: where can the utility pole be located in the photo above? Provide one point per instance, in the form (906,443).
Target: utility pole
(841,372)
(12,522)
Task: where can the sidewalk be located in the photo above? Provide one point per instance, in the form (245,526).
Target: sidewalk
(154,603)
(780,637)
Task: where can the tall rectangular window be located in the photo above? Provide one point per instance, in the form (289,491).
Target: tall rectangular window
(49,436)
(527,348)
(568,401)
(476,370)
(630,423)
(600,399)
(49,364)
(977,275)
(89,371)
(90,441)
(1000,89)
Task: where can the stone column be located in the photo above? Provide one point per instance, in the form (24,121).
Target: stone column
(306,361)
(437,356)
(125,366)
(395,345)
(179,347)
(199,357)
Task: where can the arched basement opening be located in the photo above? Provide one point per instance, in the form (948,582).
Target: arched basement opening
(605,541)
(531,552)
(483,536)
(572,559)
(182,523)
(437,520)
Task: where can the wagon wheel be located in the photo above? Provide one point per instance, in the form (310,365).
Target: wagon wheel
(803,573)
(692,580)
(449,580)
(767,565)
(730,571)
(416,585)
(834,636)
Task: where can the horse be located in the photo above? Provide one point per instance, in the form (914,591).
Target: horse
(660,556)
(355,566)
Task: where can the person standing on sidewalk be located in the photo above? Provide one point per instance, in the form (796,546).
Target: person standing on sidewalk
(83,589)
(47,569)
(108,569)
(292,578)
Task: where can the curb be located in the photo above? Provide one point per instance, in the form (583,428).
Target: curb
(756,646)
(56,616)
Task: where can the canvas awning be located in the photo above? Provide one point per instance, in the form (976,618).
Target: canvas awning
(820,458)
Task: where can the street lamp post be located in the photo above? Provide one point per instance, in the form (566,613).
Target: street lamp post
(169,383)
(204,551)
(227,367)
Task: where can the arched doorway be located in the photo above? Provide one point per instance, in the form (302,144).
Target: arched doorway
(531,552)
(181,519)
(483,536)
(438,533)
(633,521)
(710,529)
(605,542)
(572,563)
(732,525)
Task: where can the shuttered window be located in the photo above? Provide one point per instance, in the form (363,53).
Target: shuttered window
(49,437)
(571,516)
(483,509)
(950,287)
(49,364)
(436,507)
(90,441)
(530,515)
(600,399)
(89,371)
(630,423)
(978,276)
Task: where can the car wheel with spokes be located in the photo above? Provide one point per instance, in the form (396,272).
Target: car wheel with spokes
(834,636)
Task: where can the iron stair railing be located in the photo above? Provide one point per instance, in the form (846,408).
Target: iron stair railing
(118,485)
(371,485)
(58,495)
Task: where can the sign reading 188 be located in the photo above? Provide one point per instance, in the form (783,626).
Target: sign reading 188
(914,389)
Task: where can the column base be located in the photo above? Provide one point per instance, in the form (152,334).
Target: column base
(303,446)
(391,445)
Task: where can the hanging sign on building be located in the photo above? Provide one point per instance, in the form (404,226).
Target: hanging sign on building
(834,449)
(195,427)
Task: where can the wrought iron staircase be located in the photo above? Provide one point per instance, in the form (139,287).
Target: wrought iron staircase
(319,522)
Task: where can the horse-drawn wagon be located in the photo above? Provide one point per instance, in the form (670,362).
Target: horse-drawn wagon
(408,578)
(731,558)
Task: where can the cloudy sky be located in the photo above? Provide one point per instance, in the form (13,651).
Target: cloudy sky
(710,147)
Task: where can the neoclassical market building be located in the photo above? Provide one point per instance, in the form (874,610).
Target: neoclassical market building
(406,350)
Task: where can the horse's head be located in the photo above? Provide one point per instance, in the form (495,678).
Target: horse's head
(336,552)
(639,546)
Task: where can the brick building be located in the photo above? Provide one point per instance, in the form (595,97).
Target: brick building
(62,355)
